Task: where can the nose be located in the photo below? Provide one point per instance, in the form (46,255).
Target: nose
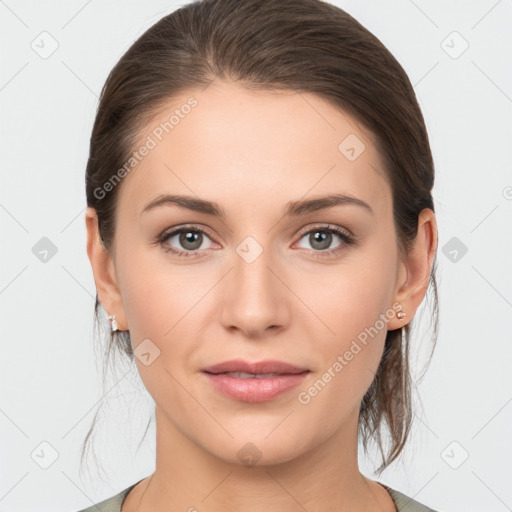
(255,299)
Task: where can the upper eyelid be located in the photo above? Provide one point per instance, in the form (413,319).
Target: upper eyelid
(301,233)
(191,227)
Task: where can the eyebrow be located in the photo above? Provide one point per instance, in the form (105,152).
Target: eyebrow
(293,208)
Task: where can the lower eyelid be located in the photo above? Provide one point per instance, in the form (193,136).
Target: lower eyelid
(163,239)
(345,239)
(338,232)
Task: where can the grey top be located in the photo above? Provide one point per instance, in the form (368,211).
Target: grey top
(403,503)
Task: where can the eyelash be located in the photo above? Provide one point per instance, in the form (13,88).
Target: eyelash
(345,237)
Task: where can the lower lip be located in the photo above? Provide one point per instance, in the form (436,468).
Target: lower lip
(255,390)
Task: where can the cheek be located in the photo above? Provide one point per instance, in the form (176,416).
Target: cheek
(163,303)
(156,295)
(350,300)
(350,354)
(159,308)
(354,306)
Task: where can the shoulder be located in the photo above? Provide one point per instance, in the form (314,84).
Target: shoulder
(406,504)
(112,504)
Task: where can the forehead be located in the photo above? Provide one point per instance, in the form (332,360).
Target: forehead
(245,148)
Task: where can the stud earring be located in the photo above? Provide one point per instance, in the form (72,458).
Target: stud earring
(400,314)
(113,322)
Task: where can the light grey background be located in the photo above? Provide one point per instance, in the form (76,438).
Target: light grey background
(50,387)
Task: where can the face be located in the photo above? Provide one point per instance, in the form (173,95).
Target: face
(266,280)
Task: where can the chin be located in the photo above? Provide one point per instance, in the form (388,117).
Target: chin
(249,451)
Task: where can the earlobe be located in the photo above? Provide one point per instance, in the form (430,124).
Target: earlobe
(103,269)
(417,269)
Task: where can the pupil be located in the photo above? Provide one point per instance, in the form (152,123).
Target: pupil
(324,237)
(189,237)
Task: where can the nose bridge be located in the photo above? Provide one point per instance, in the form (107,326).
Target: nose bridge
(254,298)
(252,264)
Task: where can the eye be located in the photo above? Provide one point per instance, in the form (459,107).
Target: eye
(321,238)
(189,238)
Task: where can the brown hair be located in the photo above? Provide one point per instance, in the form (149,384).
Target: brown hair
(301,45)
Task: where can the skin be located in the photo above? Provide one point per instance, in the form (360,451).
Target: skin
(253,152)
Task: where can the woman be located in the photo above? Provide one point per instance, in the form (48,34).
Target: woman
(285,144)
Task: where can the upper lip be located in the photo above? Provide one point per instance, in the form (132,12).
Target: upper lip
(258,367)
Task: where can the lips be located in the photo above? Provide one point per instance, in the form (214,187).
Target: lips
(244,375)
(258,369)
(254,382)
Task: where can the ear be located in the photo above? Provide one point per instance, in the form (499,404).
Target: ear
(414,274)
(103,269)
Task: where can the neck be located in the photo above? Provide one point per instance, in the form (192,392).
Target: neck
(189,478)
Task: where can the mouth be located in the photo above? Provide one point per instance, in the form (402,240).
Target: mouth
(255,368)
(254,382)
(244,375)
